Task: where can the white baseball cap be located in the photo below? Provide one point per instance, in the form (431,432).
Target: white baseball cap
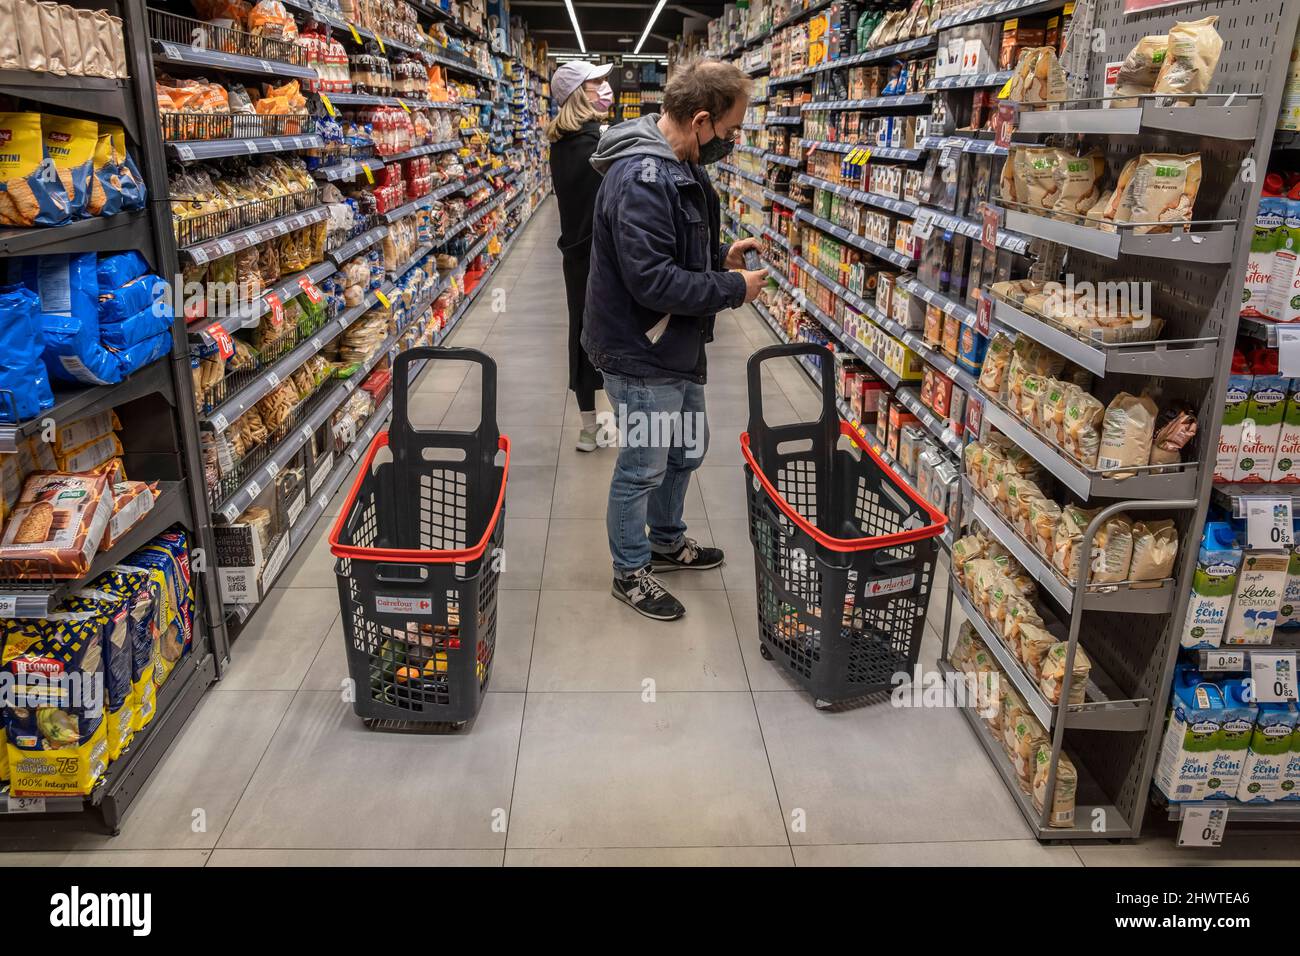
(573,74)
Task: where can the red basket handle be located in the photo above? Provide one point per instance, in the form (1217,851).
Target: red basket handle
(933,530)
(412,555)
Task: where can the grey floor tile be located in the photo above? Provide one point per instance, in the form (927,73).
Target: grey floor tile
(323,750)
(443,376)
(732,536)
(516,622)
(516,411)
(536,445)
(525,550)
(586,641)
(427,409)
(529,489)
(582,486)
(388,856)
(330,668)
(845,771)
(107,857)
(577,558)
(609,770)
(982,853)
(278,644)
(313,565)
(723,488)
(745,856)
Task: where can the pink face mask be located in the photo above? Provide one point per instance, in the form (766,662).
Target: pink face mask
(604,97)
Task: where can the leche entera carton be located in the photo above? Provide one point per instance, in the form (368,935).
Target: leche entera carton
(1234,415)
(1213,582)
(1238,721)
(1261,428)
(1271,742)
(1286,463)
(1192,737)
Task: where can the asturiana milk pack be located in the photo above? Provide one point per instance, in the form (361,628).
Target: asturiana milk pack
(1236,724)
(1213,584)
(1191,741)
(1234,414)
(1269,754)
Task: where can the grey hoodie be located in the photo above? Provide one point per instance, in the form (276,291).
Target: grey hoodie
(638,137)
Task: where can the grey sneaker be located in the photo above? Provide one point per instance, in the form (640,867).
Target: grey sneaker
(690,556)
(642,592)
(587,441)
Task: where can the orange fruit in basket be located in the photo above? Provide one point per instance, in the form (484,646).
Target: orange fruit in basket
(407,674)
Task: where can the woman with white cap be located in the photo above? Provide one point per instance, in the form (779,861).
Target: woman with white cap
(584,97)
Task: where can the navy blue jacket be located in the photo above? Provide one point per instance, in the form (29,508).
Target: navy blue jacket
(657,278)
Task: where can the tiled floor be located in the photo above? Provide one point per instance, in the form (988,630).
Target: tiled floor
(606,739)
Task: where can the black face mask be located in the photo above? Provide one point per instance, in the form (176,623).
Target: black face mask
(716,149)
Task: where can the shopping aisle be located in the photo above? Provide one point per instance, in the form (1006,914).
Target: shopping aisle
(569,762)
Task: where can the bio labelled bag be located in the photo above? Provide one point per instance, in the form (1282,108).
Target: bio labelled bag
(69,292)
(24,384)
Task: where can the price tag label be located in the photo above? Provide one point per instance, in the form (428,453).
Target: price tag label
(984,314)
(25,804)
(1268,523)
(272,379)
(1202,825)
(8,605)
(402,103)
(278,144)
(251,145)
(225,246)
(989,234)
(370,176)
(329,107)
(306,433)
(1272,675)
(922,226)
(383,299)
(221,338)
(1224,660)
(1288,350)
(272,469)
(254,489)
(355,35)
(230,512)
(309,288)
(380,40)
(172,51)
(1005,91)
(219,422)
(186,153)
(199,254)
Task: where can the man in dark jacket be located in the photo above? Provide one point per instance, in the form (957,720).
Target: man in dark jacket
(659,274)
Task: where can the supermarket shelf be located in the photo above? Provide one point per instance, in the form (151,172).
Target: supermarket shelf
(783,121)
(1101,710)
(220,417)
(360,244)
(1262,329)
(997,10)
(406,209)
(1180,358)
(780,160)
(1137,598)
(285,289)
(1086,810)
(96,95)
(871,103)
(1283,811)
(1206,242)
(780,199)
(1232,495)
(1236,117)
(348,169)
(911,400)
(1236,657)
(957,310)
(816,6)
(1147,482)
(1007,239)
(123,231)
(72,404)
(727,167)
(876,152)
(752,127)
(918,45)
(965,81)
(853,239)
(200,149)
(966,144)
(776,237)
(33,598)
(185,54)
(791,80)
(211,249)
(425,150)
(752,150)
(900,206)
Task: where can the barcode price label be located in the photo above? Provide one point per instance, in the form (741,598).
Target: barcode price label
(254,489)
(251,145)
(272,379)
(172,51)
(230,512)
(186,153)
(1202,825)
(8,605)
(219,422)
(1224,660)
(199,254)
(25,804)
(225,246)
(272,470)
(1269,523)
(278,144)
(1273,676)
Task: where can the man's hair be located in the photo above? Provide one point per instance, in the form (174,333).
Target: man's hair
(709,85)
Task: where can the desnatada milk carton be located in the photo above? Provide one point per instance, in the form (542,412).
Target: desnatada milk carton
(1258,598)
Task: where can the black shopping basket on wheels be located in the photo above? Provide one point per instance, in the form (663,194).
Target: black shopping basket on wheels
(844,549)
(418,544)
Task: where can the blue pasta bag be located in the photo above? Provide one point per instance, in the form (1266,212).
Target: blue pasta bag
(130,183)
(132,298)
(148,323)
(24,385)
(70,144)
(106,187)
(116,270)
(143,353)
(69,293)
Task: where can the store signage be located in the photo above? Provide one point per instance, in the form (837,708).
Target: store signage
(984,314)
(989,234)
(1141,6)
(221,338)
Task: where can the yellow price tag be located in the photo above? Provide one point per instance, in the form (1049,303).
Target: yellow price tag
(329,107)
(355,35)
(1005,91)
(369,175)
(402,104)
(866,155)
(384,300)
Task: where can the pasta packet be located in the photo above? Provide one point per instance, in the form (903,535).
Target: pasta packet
(70,144)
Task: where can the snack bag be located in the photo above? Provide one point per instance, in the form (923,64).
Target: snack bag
(1053,674)
(24,383)
(132,500)
(129,300)
(111,612)
(1126,432)
(137,356)
(1155,547)
(105,182)
(1138,73)
(1079,179)
(57,526)
(31,192)
(142,588)
(70,144)
(129,181)
(1063,794)
(1194,50)
(1163,190)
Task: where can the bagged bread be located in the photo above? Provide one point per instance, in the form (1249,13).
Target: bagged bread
(1112,551)
(1035,642)
(993,372)
(1053,676)
(1193,56)
(132,500)
(52,37)
(1079,183)
(1063,793)
(1007,180)
(1041,184)
(1038,77)
(95,59)
(1126,432)
(1013,708)
(1163,190)
(1044,513)
(73,58)
(1066,538)
(31,44)
(1029,735)
(1083,414)
(10,55)
(1119,208)
(1138,72)
(965,549)
(1051,415)
(111,38)
(1019,612)
(1155,548)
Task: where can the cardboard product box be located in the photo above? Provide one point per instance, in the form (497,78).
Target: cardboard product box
(900,305)
(958,276)
(950,343)
(941,395)
(1234,415)
(933,332)
(902,132)
(898,417)
(244,569)
(957,410)
(927,386)
(975,274)
(883,409)
(1265,407)
(291,491)
(1018,35)
(966,166)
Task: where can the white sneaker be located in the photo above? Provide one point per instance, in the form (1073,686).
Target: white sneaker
(587,441)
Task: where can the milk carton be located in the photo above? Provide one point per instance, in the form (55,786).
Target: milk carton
(1234,739)
(1291,772)
(1234,413)
(1191,738)
(1213,583)
(1258,598)
(1269,754)
(1286,463)
(1261,428)
(1255,299)
(1288,615)
(1284,284)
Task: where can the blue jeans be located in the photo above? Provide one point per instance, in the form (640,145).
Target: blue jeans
(663,435)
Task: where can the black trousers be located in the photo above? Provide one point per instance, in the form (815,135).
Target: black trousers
(584,378)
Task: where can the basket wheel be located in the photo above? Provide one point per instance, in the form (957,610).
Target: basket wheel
(765,652)
(823,704)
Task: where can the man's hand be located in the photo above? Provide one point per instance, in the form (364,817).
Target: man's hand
(755,279)
(736,254)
